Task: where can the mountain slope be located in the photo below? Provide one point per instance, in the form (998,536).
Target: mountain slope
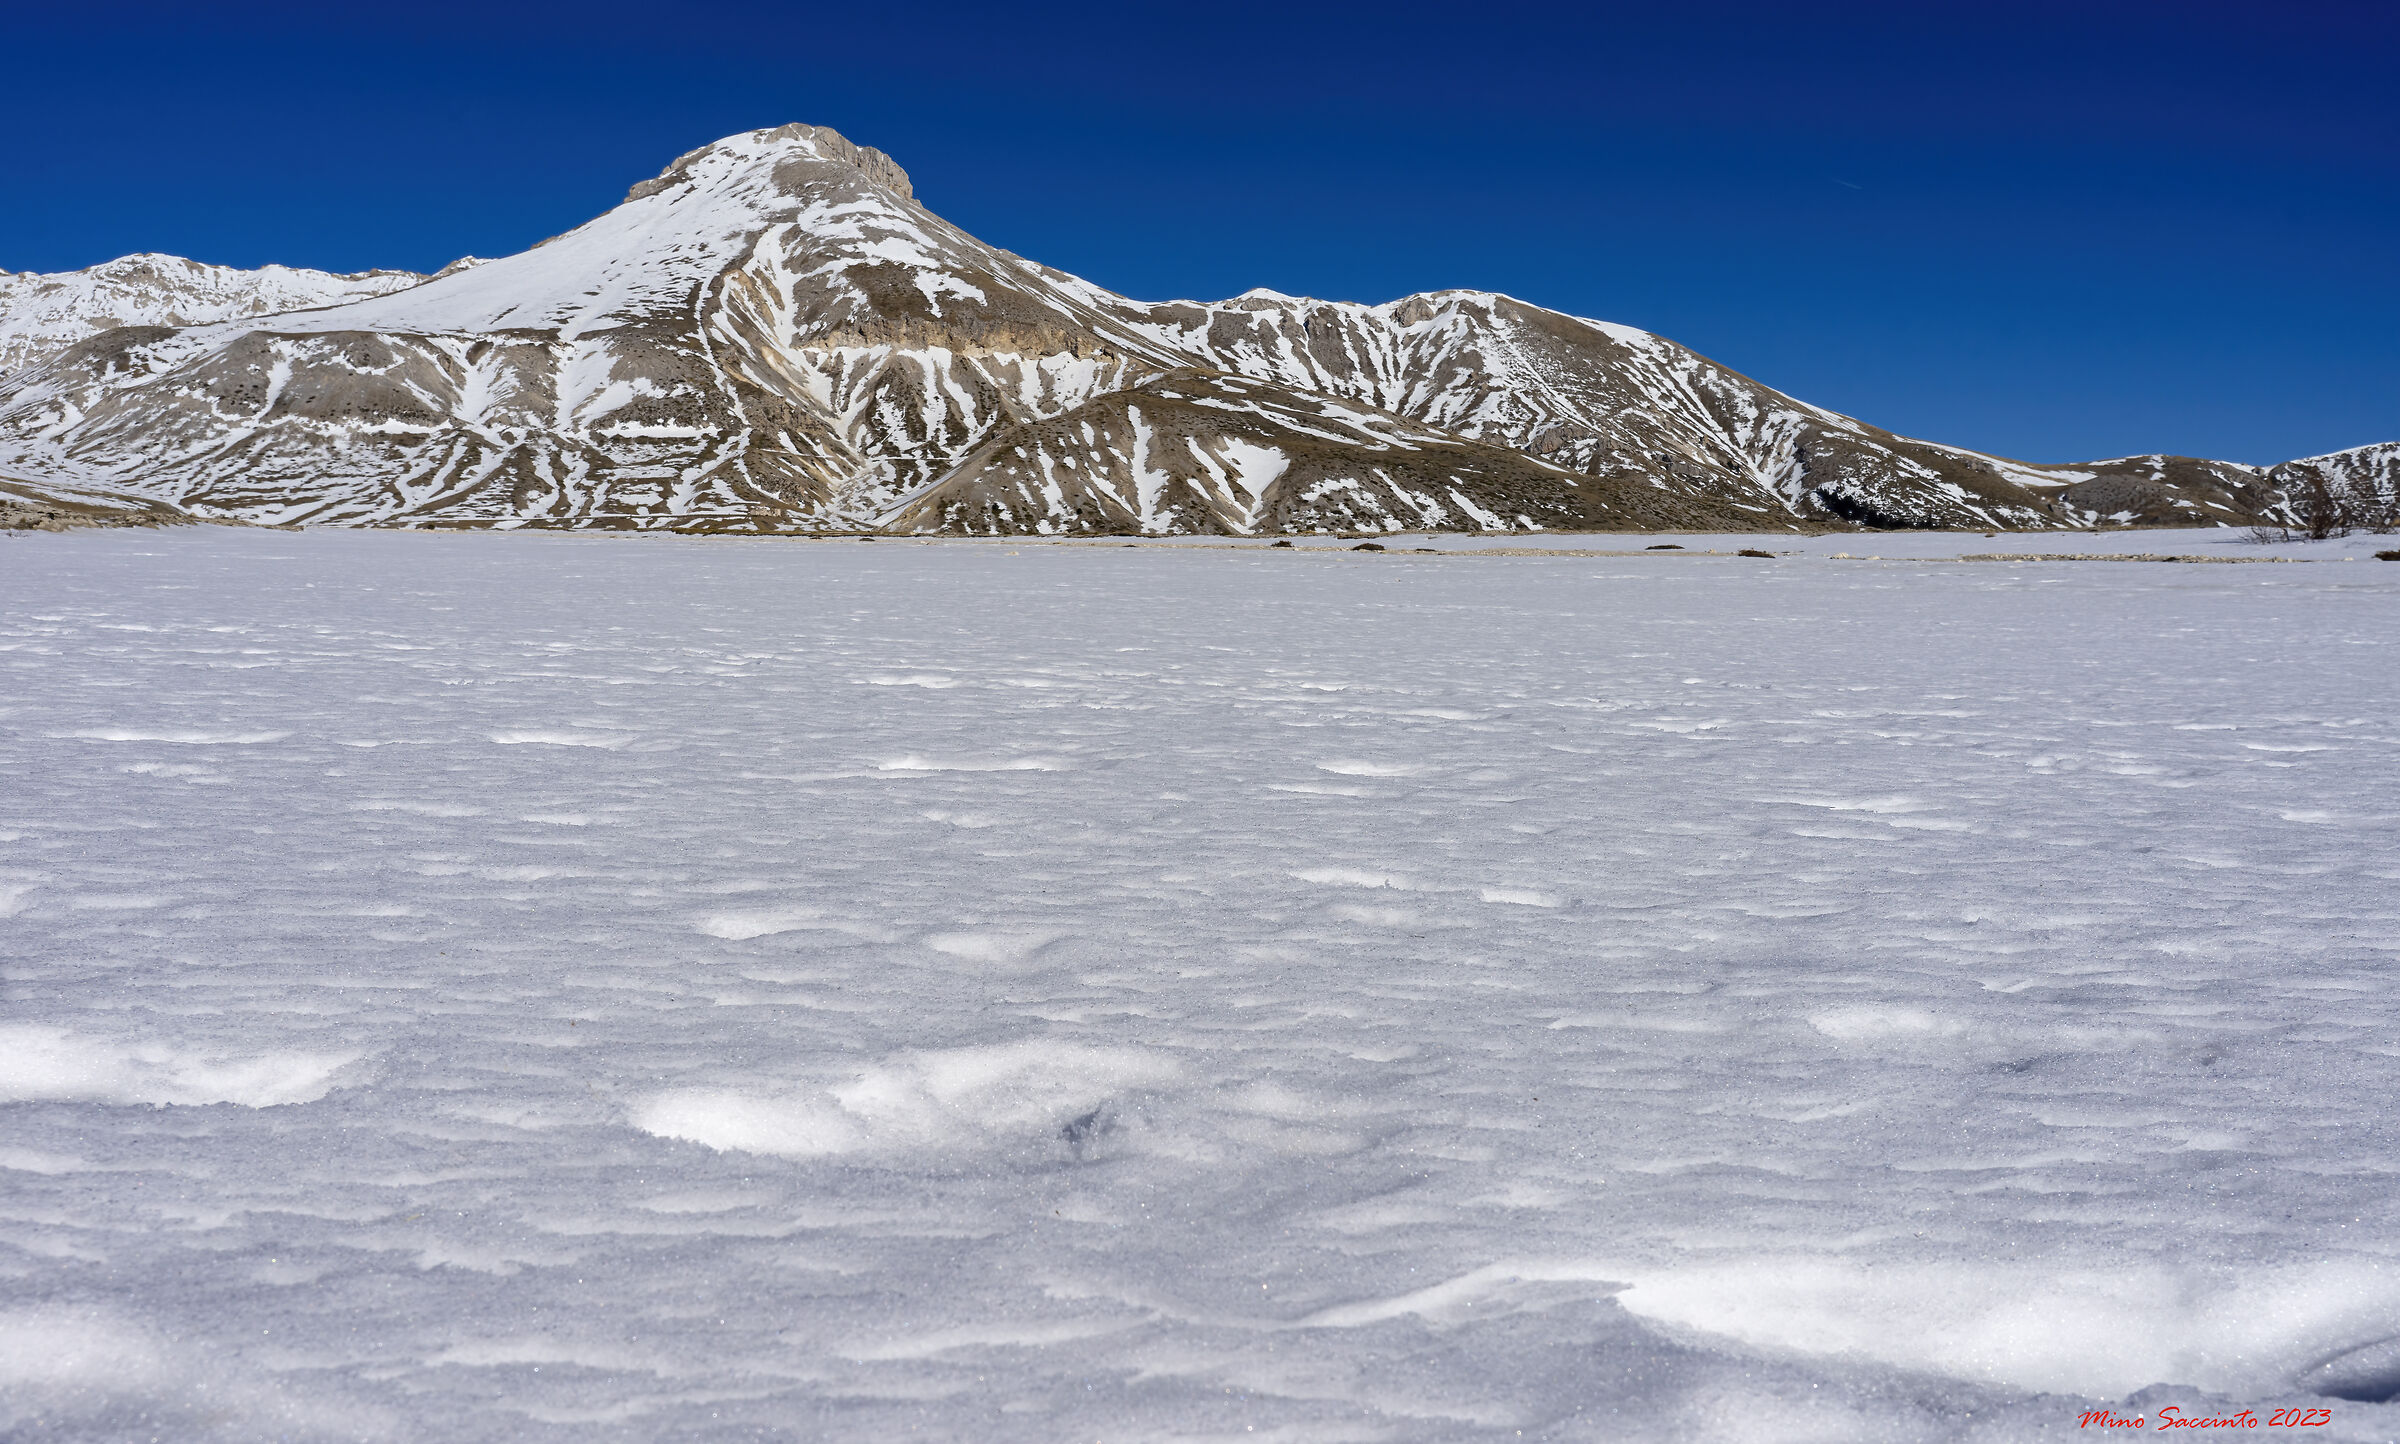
(1202,451)
(2361,472)
(773,334)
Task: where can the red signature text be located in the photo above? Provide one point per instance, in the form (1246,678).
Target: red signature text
(2173,1417)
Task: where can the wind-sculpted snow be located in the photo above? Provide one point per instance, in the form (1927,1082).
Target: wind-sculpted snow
(774,335)
(595,988)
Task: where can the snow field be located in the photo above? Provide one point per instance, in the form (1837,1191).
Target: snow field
(529,987)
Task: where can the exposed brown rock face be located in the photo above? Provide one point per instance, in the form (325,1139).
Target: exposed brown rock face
(772,334)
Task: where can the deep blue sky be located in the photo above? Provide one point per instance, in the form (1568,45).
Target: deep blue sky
(2051,230)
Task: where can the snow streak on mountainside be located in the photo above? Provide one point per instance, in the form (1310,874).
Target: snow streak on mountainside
(774,335)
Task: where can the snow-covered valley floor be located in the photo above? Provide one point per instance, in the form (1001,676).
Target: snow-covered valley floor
(565,987)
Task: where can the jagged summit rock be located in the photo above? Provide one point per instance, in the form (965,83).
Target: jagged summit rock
(773,334)
(821,141)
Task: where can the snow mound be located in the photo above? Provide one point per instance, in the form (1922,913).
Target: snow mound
(38,1062)
(1001,946)
(916,763)
(2098,1332)
(186,736)
(946,1099)
(560,737)
(758,922)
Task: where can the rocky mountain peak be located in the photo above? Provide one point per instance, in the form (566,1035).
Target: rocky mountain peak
(818,142)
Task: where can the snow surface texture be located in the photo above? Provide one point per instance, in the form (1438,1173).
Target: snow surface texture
(498,987)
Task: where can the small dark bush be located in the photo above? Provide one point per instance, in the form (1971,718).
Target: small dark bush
(2387,556)
(1368,547)
(1664,547)
(1754,552)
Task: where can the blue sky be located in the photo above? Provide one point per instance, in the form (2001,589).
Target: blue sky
(2055,231)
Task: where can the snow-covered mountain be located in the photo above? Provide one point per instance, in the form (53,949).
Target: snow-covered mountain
(773,334)
(43,314)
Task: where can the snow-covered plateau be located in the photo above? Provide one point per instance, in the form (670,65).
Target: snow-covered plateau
(505,987)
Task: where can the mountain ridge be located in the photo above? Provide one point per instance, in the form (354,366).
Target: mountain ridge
(773,334)
(46,312)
